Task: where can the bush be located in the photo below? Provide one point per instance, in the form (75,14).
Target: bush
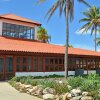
(89,83)
(30,81)
(12,83)
(60,88)
(75,81)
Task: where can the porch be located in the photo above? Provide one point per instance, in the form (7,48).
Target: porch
(47,64)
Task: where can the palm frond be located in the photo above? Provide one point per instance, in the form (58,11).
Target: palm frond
(92,19)
(52,10)
(92,30)
(84,27)
(87,14)
(83,1)
(71,9)
(98,41)
(85,20)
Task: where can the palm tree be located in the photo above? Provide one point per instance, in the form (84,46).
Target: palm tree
(66,6)
(92,21)
(42,35)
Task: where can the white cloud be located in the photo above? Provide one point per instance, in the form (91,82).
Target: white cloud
(79,32)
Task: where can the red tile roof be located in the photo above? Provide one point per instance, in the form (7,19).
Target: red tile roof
(18,18)
(7,44)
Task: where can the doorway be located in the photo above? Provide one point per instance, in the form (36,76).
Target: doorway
(6,68)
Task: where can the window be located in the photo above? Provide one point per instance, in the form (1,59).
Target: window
(9,64)
(35,63)
(54,64)
(24,68)
(51,61)
(1,64)
(40,67)
(77,61)
(24,60)
(24,64)
(56,61)
(60,61)
(47,61)
(47,68)
(18,66)
(18,31)
(29,63)
(84,61)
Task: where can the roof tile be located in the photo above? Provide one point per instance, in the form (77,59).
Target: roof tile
(8,44)
(15,17)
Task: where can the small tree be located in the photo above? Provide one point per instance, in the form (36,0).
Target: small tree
(42,35)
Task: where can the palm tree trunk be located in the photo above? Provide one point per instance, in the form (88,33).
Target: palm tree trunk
(67,40)
(95,39)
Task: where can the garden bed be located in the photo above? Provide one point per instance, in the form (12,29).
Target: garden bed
(58,88)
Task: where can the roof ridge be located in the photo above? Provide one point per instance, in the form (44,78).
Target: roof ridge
(4,14)
(85,49)
(18,17)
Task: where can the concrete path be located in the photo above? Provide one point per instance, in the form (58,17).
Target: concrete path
(9,93)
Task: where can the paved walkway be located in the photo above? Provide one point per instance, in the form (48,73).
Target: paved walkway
(9,93)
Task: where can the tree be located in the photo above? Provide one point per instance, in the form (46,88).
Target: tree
(70,46)
(66,6)
(42,35)
(92,21)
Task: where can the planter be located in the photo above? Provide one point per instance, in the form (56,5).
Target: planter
(79,72)
(98,71)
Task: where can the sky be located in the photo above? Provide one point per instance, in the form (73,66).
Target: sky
(56,26)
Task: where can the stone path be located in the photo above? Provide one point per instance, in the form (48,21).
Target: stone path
(9,93)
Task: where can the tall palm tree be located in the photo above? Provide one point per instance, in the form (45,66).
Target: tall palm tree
(42,35)
(92,21)
(66,6)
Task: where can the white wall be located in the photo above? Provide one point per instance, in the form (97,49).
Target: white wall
(38,73)
(49,73)
(0,28)
(36,29)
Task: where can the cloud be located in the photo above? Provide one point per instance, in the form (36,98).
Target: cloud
(79,32)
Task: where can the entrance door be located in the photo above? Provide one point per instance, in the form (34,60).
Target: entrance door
(9,68)
(1,68)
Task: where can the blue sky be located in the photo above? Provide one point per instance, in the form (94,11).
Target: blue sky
(56,26)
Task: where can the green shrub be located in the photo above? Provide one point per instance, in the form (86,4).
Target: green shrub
(75,81)
(14,79)
(30,81)
(90,83)
(60,88)
(46,83)
(12,83)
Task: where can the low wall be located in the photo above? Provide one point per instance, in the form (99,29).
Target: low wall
(50,73)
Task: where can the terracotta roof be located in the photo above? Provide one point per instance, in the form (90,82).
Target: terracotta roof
(7,44)
(18,18)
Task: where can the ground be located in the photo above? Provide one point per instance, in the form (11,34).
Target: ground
(9,93)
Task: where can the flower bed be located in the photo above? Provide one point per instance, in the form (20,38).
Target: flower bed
(74,88)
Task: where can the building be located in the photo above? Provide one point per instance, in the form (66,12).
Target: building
(21,54)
